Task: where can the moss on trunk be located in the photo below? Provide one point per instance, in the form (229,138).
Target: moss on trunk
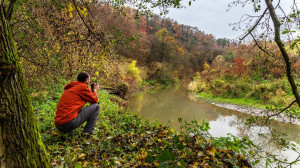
(20,141)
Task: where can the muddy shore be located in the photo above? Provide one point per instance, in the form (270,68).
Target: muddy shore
(255,112)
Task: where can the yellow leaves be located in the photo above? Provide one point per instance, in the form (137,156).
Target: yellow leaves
(82,155)
(206,66)
(134,71)
(77,149)
(180,139)
(56,47)
(70,7)
(200,154)
(199,142)
(165,132)
(156,164)
(97,73)
(195,164)
(83,11)
(222,150)
(142,156)
(35,94)
(85,164)
(180,50)
(211,152)
(171,130)
(159,140)
(102,55)
(229,156)
(70,10)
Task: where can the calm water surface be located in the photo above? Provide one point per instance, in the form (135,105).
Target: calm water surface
(167,106)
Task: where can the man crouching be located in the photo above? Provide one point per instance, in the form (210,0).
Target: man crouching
(69,114)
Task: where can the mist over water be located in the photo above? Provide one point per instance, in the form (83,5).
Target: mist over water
(168,105)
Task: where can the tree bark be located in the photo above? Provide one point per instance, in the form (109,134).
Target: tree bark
(283,51)
(20,141)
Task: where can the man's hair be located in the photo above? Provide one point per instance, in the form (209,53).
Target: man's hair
(82,76)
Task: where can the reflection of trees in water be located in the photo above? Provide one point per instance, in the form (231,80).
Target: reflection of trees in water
(137,104)
(165,105)
(292,131)
(265,140)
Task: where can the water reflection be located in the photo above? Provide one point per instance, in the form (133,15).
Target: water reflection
(171,104)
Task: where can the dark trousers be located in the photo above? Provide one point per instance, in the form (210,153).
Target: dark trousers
(88,114)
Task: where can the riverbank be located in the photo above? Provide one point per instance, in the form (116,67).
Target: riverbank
(124,139)
(248,106)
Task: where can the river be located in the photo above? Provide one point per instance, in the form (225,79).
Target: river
(167,105)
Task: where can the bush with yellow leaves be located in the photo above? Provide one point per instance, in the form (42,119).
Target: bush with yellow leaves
(134,71)
(198,84)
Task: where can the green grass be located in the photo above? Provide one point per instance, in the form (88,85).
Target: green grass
(124,139)
(238,101)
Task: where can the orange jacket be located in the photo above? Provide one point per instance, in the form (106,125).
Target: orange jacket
(75,96)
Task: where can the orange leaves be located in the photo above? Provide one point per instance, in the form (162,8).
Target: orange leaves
(239,67)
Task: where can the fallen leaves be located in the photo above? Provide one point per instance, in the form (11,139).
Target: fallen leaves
(126,140)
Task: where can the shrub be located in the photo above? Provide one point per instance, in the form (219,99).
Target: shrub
(198,85)
(241,87)
(134,71)
(206,67)
(218,86)
(229,56)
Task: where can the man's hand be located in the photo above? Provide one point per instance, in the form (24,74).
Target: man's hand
(96,87)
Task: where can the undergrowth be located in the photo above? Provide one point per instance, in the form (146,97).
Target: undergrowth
(246,90)
(124,139)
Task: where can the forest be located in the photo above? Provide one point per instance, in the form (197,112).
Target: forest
(127,49)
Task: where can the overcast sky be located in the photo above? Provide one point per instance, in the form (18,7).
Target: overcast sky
(211,16)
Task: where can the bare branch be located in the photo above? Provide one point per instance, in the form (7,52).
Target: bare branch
(3,8)
(283,50)
(40,65)
(259,45)
(89,29)
(254,26)
(82,1)
(276,114)
(10,9)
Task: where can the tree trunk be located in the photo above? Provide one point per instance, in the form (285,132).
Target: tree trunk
(282,49)
(20,142)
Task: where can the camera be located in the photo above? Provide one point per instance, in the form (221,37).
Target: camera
(93,86)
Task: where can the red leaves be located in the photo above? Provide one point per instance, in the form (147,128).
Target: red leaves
(239,67)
